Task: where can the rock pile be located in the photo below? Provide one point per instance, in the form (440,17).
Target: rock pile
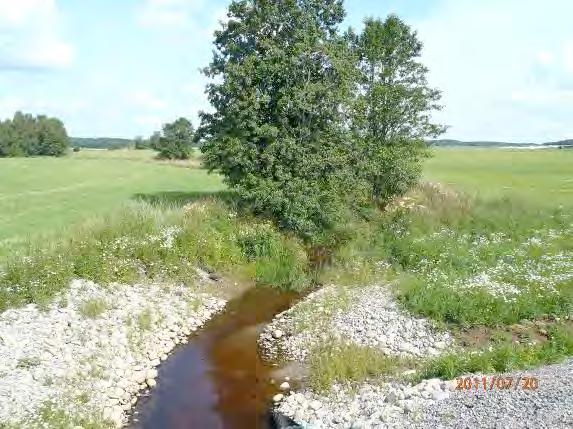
(90,352)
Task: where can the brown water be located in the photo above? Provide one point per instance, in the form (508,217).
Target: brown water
(218,380)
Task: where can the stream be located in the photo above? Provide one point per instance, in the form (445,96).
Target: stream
(218,380)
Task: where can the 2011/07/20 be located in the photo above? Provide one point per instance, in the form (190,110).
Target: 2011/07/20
(495,382)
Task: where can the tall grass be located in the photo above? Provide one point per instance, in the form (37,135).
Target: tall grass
(468,262)
(143,241)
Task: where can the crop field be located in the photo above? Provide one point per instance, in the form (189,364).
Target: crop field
(540,177)
(42,195)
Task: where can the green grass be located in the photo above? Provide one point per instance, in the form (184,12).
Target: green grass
(163,243)
(339,362)
(501,358)
(540,177)
(93,308)
(43,195)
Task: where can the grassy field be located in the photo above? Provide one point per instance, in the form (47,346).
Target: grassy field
(544,178)
(41,195)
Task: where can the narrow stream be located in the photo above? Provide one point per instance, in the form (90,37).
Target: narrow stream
(218,379)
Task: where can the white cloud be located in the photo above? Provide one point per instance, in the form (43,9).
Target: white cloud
(30,35)
(545,58)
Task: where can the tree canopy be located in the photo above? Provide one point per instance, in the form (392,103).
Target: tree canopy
(391,112)
(175,141)
(26,135)
(308,123)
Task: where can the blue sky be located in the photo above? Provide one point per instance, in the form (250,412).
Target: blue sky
(124,67)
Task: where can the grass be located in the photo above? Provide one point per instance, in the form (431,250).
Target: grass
(498,254)
(467,262)
(337,362)
(143,241)
(484,260)
(145,320)
(27,362)
(45,195)
(93,308)
(538,177)
(504,357)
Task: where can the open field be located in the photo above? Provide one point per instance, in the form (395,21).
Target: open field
(41,195)
(540,177)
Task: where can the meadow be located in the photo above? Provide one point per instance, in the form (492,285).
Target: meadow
(540,177)
(44,195)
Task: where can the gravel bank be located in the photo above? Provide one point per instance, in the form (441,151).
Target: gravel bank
(90,352)
(370,317)
(364,316)
(436,404)
(367,406)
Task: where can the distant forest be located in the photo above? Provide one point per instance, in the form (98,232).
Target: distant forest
(448,142)
(101,142)
(121,143)
(28,135)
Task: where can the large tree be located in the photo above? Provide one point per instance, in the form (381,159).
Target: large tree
(280,81)
(391,117)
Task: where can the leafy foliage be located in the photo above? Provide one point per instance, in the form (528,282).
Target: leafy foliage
(301,130)
(26,135)
(176,140)
(390,114)
(277,135)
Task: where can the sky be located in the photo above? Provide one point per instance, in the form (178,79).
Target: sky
(122,68)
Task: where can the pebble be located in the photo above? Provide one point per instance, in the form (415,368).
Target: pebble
(106,360)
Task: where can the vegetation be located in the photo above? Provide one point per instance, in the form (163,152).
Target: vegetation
(469,262)
(26,135)
(93,308)
(175,142)
(155,242)
(503,357)
(309,125)
(390,113)
(338,362)
(45,195)
(538,178)
(101,142)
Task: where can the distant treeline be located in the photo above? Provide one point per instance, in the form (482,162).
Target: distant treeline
(449,142)
(102,142)
(27,135)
